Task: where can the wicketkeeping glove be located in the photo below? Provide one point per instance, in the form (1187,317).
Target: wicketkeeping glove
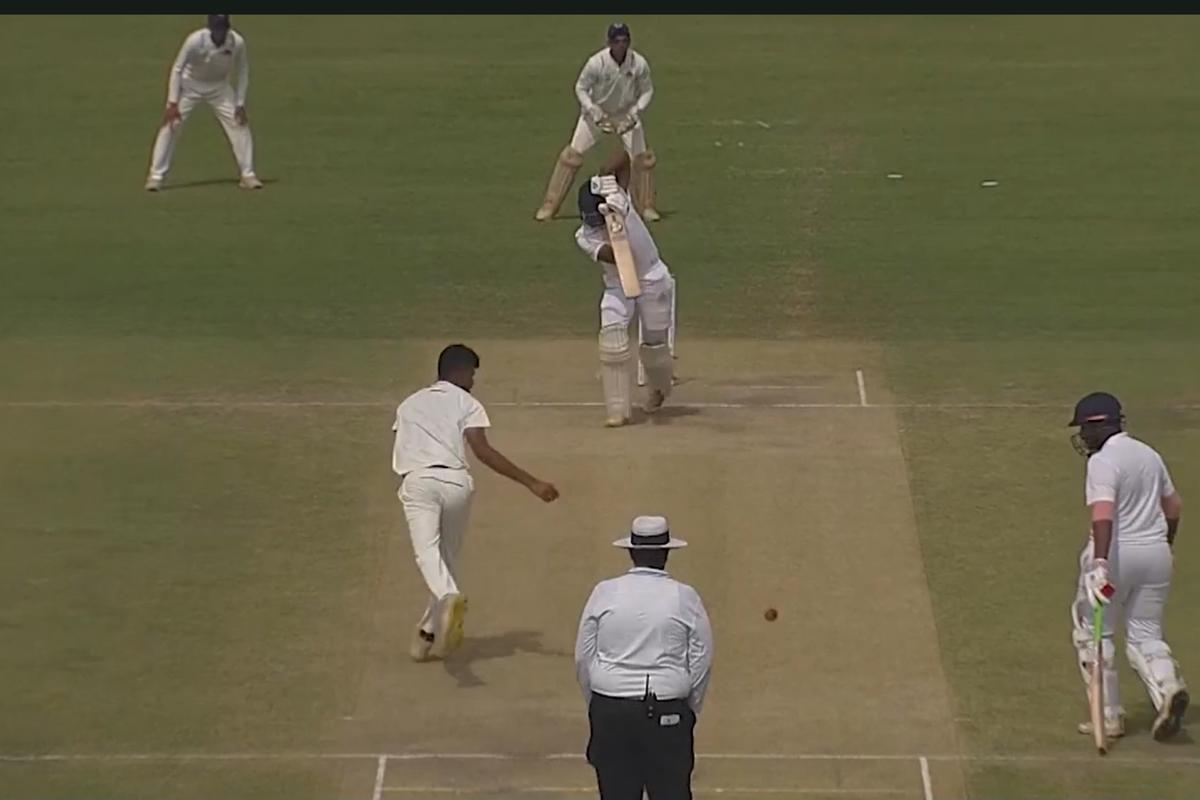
(1099,589)
(629,123)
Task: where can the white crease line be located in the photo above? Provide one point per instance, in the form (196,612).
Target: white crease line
(862,387)
(591,790)
(299,404)
(1016,758)
(926,781)
(380,771)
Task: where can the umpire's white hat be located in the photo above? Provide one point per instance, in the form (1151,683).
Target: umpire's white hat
(650,533)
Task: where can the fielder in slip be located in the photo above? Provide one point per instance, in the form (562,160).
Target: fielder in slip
(1125,568)
(431,428)
(601,197)
(614,90)
(201,73)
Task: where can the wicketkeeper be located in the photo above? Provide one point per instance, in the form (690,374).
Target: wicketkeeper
(614,90)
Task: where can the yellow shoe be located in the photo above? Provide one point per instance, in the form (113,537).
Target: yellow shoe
(616,422)
(544,213)
(650,215)
(448,633)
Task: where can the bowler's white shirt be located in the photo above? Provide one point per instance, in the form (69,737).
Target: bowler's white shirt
(429,427)
(206,67)
(616,88)
(1132,475)
(650,267)
(644,626)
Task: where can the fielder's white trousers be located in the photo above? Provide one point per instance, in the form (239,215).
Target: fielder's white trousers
(1142,575)
(653,307)
(587,134)
(223,102)
(437,505)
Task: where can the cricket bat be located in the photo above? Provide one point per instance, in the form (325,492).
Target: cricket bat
(626,269)
(1096,686)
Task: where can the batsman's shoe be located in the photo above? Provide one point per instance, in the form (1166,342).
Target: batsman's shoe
(154,184)
(650,215)
(544,213)
(654,401)
(448,633)
(616,422)
(1113,728)
(250,182)
(1170,716)
(422,643)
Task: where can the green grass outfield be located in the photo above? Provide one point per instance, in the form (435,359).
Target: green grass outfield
(169,582)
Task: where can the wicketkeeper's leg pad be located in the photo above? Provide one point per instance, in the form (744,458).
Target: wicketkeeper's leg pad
(657,361)
(568,163)
(615,357)
(643,180)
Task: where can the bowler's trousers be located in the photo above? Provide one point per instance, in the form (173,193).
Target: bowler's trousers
(641,744)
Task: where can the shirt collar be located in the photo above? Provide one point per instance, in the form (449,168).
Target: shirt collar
(625,67)
(662,573)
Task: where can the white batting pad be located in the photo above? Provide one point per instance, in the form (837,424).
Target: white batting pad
(615,355)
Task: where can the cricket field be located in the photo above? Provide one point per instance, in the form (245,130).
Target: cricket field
(206,584)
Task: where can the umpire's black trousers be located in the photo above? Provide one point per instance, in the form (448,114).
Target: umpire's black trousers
(641,744)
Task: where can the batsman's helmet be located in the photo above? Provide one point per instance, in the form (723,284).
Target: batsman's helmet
(1098,417)
(618,30)
(589,206)
(1097,407)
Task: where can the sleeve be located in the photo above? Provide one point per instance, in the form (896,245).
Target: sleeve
(585,644)
(645,88)
(1168,486)
(175,78)
(1101,481)
(700,651)
(476,415)
(590,243)
(243,72)
(583,86)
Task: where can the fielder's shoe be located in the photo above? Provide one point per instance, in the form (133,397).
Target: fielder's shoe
(650,215)
(154,184)
(655,401)
(422,643)
(448,630)
(1113,728)
(1170,716)
(250,182)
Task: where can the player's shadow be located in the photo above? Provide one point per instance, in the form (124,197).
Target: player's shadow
(461,664)
(666,415)
(170,187)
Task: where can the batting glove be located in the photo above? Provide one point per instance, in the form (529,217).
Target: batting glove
(607,185)
(596,113)
(1099,589)
(615,203)
(628,124)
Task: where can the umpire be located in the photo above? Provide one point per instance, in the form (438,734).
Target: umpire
(643,657)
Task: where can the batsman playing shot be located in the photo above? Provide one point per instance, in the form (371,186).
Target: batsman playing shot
(636,282)
(429,455)
(614,90)
(201,73)
(1125,568)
